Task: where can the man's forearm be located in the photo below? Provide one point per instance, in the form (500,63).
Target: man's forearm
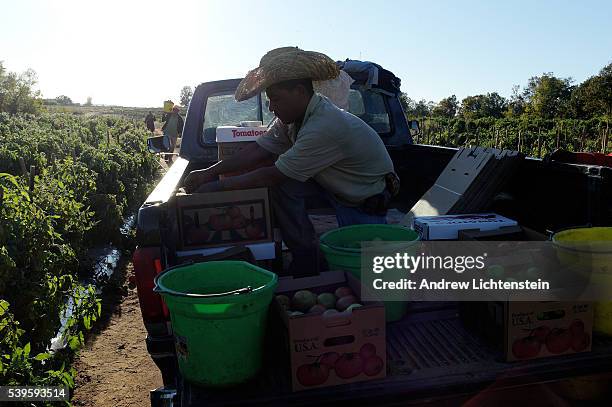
(245,159)
(261,177)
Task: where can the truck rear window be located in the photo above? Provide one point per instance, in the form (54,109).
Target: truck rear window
(370,107)
(223,110)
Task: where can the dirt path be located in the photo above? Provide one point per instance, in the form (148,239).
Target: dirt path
(114,368)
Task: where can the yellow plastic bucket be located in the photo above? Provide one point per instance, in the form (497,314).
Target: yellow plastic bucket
(168,105)
(590,251)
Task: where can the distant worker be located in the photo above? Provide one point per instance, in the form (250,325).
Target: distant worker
(173,128)
(150,122)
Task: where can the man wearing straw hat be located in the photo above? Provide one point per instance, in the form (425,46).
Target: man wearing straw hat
(317,150)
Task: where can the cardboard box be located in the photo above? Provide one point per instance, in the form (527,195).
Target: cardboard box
(525,330)
(226,150)
(504,233)
(330,350)
(234,134)
(447,227)
(231,139)
(224,218)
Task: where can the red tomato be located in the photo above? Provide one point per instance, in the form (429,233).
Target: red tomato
(541,332)
(234,212)
(349,365)
(343,292)
(372,366)
(580,342)
(312,374)
(367,351)
(527,347)
(576,327)
(558,340)
(329,359)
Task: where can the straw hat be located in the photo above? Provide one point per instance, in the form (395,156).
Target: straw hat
(284,64)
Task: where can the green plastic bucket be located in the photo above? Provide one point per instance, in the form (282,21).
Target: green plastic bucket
(219,313)
(342,250)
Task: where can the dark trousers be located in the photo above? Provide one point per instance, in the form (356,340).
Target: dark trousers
(289,203)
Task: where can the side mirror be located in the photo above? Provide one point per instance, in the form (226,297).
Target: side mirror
(158,144)
(413,126)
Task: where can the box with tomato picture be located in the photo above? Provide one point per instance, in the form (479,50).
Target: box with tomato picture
(330,335)
(530,330)
(226,218)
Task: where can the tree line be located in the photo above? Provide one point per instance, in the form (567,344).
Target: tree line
(545,97)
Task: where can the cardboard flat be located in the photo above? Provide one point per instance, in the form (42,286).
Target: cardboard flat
(467,184)
(447,227)
(221,219)
(357,338)
(523,330)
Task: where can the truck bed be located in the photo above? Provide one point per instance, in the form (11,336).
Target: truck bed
(431,357)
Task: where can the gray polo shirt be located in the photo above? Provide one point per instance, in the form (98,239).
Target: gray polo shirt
(337,149)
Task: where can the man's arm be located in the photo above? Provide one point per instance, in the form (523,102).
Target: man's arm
(261,177)
(245,159)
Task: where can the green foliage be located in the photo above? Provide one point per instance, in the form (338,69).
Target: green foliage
(413,108)
(89,173)
(102,162)
(548,96)
(594,96)
(186,94)
(533,136)
(447,107)
(17,93)
(63,100)
(479,106)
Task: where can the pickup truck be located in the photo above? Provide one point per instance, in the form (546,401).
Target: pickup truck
(433,358)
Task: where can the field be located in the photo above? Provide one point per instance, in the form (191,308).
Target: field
(67,184)
(131,113)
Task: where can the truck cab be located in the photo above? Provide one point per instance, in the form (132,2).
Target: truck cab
(432,356)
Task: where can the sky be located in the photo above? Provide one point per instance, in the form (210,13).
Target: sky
(140,53)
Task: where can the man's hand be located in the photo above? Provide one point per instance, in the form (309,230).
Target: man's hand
(214,186)
(197,178)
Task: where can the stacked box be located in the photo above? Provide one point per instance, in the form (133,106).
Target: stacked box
(327,350)
(447,227)
(224,219)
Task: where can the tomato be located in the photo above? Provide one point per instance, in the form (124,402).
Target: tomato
(558,340)
(220,222)
(576,327)
(541,332)
(328,300)
(527,347)
(349,365)
(312,374)
(238,222)
(317,309)
(329,359)
(372,366)
(234,212)
(284,301)
(344,302)
(343,292)
(580,342)
(367,351)
(198,235)
(303,300)
(253,231)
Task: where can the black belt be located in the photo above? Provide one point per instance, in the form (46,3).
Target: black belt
(378,204)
